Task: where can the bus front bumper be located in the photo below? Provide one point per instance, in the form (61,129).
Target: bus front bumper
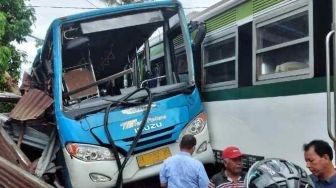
(79,171)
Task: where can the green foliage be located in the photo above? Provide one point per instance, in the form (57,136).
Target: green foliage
(15,22)
(19,18)
(4,51)
(2,24)
(6,107)
(5,54)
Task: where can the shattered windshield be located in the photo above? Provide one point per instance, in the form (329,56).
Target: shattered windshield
(109,56)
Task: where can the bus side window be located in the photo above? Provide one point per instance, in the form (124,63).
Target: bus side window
(282,43)
(42,71)
(43,68)
(157,64)
(220,60)
(181,65)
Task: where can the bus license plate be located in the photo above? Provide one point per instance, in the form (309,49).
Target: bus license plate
(152,158)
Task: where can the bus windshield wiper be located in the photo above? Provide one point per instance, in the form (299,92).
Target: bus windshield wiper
(133,100)
(123,102)
(182,90)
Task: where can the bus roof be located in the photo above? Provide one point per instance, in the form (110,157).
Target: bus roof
(115,9)
(110,10)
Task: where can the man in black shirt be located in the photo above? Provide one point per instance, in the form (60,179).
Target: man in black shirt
(232,176)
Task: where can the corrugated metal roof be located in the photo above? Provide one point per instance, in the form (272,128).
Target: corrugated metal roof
(13,176)
(10,151)
(31,105)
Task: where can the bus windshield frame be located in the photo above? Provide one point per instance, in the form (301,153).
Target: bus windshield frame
(89,49)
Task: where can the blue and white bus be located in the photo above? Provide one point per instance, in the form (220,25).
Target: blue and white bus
(119,116)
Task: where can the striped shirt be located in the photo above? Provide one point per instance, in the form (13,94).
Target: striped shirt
(219,180)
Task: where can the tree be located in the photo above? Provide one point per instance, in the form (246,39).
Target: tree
(122,2)
(15,22)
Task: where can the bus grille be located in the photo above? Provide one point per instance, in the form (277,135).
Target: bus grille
(149,134)
(154,138)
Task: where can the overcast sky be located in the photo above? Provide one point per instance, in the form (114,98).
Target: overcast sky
(44,17)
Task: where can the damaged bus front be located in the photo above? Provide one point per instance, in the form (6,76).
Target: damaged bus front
(118,115)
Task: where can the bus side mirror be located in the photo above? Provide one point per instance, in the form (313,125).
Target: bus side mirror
(198,31)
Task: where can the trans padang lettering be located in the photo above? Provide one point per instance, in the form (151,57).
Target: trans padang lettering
(134,122)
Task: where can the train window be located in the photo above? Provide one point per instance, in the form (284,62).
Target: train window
(220,60)
(283,45)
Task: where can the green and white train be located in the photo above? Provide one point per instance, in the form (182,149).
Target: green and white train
(262,68)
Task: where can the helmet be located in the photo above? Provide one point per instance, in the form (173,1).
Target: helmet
(277,173)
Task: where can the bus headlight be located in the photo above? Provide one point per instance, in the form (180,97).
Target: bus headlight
(86,152)
(196,126)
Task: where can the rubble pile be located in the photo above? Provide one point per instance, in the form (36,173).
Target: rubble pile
(28,142)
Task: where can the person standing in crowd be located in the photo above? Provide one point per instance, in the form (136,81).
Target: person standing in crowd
(318,156)
(231,176)
(181,170)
